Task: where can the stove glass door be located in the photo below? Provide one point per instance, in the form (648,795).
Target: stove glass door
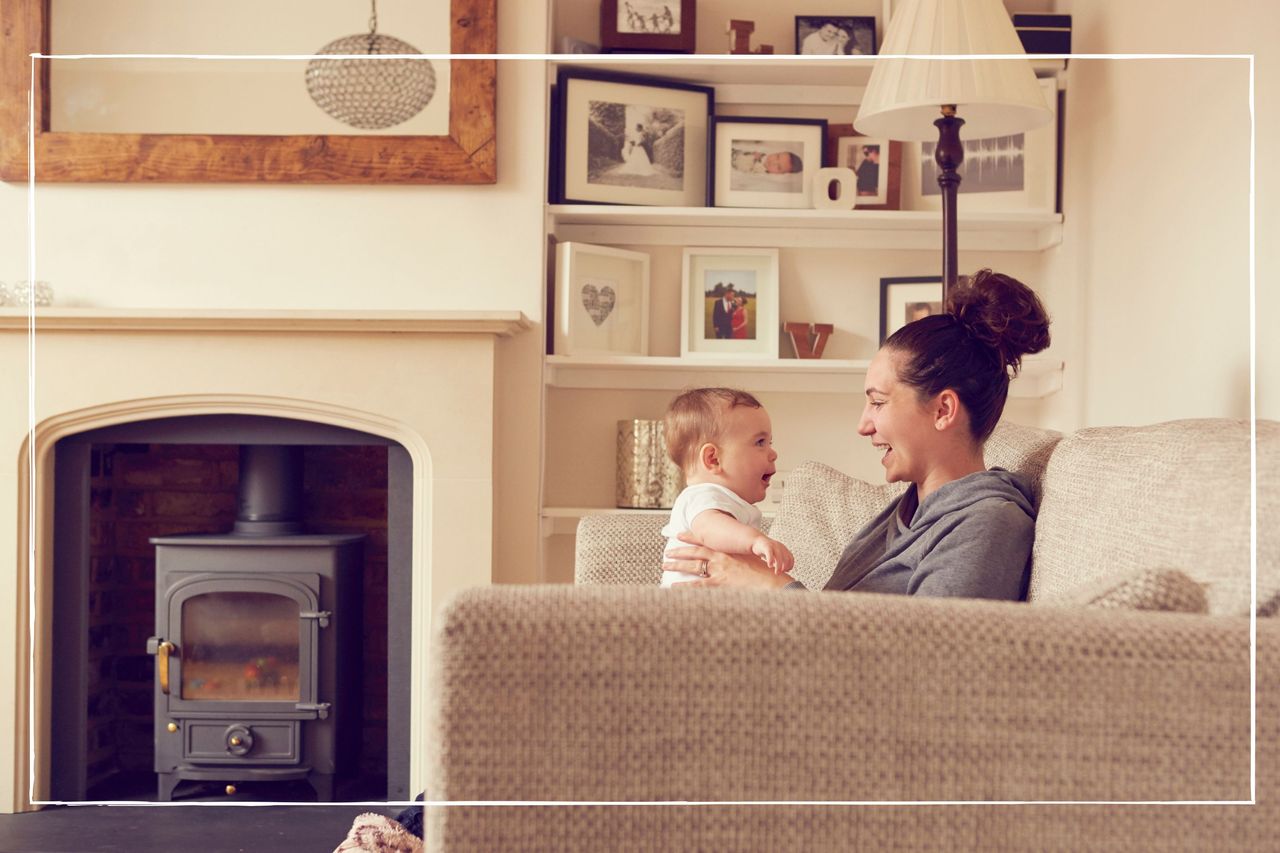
(240,646)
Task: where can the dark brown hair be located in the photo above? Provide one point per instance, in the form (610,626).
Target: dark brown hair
(990,321)
(696,417)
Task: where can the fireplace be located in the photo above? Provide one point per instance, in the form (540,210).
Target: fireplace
(421,385)
(258,642)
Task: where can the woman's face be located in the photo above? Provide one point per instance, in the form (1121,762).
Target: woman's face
(897,421)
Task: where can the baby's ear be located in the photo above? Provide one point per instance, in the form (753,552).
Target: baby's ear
(709,457)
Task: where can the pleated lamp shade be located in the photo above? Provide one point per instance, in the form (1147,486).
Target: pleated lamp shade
(995,97)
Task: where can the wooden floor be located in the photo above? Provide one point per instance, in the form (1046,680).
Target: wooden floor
(181,827)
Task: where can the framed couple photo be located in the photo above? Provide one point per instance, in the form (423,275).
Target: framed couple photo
(907,299)
(765,162)
(835,35)
(629,139)
(730,303)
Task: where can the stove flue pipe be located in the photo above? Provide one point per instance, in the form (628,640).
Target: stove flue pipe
(270,495)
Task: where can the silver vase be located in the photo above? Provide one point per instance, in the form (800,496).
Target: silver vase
(647,478)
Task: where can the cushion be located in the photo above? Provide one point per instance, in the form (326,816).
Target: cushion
(375,833)
(1147,589)
(1176,495)
(821,511)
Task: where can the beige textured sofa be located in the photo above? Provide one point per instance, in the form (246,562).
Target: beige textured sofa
(999,715)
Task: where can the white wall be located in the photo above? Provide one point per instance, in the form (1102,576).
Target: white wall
(1157,211)
(316,247)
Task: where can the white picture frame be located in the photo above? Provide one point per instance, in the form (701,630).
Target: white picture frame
(707,275)
(601,301)
(1038,151)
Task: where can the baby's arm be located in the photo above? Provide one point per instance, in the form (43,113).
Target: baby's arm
(720,531)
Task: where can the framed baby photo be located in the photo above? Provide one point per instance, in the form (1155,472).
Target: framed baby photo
(905,300)
(835,35)
(648,26)
(601,301)
(730,303)
(1006,173)
(630,139)
(765,162)
(876,162)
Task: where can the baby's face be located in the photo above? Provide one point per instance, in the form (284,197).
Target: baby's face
(746,454)
(778,163)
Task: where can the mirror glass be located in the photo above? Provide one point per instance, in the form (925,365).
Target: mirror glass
(215,96)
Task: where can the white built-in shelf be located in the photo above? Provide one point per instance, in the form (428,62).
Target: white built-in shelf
(804,229)
(1039,377)
(759,80)
(558,520)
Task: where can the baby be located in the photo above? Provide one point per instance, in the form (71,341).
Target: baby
(722,439)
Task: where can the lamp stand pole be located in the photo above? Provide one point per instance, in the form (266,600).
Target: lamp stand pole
(949,155)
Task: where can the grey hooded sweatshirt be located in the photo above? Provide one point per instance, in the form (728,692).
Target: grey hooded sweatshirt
(969,539)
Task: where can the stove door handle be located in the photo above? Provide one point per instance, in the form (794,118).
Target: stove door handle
(163,650)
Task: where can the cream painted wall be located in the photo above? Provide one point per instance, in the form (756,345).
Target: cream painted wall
(228,246)
(1157,211)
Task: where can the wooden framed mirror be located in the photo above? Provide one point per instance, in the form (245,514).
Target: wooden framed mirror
(466,155)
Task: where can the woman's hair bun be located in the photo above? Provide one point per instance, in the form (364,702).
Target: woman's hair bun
(1002,312)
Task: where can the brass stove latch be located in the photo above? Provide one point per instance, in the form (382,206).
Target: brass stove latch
(162,649)
(322,616)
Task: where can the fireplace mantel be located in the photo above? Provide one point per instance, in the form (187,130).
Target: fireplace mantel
(423,379)
(498,323)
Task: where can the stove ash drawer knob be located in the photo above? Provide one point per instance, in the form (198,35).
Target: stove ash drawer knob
(239,740)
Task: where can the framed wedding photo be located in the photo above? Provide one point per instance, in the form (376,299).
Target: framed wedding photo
(729,303)
(765,162)
(630,139)
(648,26)
(1007,173)
(905,300)
(835,35)
(602,301)
(877,163)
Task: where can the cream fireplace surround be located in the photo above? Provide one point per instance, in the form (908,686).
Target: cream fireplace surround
(422,379)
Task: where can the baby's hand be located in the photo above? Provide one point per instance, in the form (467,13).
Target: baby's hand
(774,553)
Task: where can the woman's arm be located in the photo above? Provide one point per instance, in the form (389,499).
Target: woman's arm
(737,571)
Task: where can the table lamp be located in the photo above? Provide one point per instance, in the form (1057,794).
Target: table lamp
(910,94)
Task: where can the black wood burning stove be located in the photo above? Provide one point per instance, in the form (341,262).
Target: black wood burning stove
(258,642)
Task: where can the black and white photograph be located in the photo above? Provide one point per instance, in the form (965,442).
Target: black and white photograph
(635,145)
(766,162)
(869,159)
(648,26)
(629,139)
(995,165)
(648,16)
(825,35)
(757,165)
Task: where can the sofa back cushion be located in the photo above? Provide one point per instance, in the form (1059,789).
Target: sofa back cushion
(823,509)
(1176,495)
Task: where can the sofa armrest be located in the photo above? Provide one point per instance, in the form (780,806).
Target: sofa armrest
(636,694)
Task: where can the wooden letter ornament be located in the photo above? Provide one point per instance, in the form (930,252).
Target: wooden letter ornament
(740,38)
(807,347)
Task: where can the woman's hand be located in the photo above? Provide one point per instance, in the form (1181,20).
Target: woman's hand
(712,568)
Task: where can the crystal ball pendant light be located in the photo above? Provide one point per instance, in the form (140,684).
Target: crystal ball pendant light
(370,94)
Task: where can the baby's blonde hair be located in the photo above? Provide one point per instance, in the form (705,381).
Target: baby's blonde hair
(697,417)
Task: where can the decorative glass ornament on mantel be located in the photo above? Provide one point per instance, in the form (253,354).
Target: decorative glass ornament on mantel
(24,294)
(371,93)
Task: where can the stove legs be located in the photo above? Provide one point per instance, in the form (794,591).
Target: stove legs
(166,783)
(323,784)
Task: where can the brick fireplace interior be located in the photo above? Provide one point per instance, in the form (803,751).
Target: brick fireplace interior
(179,476)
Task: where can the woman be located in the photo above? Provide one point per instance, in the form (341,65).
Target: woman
(740,319)
(635,159)
(935,392)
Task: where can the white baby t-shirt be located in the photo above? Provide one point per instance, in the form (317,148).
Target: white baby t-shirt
(691,503)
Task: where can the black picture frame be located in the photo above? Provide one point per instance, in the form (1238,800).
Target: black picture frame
(858,35)
(644,38)
(899,294)
(590,139)
(721,171)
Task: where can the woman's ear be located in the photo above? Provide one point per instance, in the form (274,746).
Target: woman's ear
(946,410)
(709,457)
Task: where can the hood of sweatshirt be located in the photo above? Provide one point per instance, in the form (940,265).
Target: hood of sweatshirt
(961,494)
